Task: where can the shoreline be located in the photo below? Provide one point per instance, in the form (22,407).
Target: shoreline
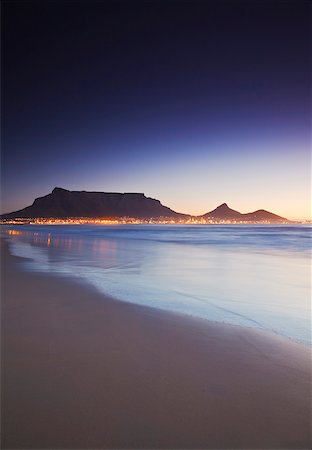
(82,370)
(183,314)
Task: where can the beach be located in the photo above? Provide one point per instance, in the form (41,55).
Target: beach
(81,370)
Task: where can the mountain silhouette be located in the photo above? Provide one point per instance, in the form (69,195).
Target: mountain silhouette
(263,215)
(61,203)
(223,212)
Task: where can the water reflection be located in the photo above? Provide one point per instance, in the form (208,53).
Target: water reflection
(64,242)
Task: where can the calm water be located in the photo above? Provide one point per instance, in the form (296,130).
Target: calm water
(255,276)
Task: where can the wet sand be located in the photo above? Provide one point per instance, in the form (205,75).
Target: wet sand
(83,371)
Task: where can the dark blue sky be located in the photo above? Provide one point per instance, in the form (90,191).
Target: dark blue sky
(194,103)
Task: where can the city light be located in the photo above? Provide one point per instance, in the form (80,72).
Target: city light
(190,220)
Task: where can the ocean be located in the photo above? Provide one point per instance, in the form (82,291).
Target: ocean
(248,275)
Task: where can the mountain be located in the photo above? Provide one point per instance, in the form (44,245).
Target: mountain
(263,215)
(223,212)
(61,203)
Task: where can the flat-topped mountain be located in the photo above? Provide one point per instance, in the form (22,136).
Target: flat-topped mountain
(61,203)
(223,212)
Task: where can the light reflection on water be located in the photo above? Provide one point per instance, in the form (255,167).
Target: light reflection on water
(247,275)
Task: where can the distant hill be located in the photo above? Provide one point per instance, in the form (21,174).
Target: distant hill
(61,203)
(263,215)
(223,212)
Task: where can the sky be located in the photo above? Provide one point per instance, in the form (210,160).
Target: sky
(194,103)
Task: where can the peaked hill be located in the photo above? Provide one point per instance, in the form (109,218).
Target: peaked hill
(61,203)
(223,212)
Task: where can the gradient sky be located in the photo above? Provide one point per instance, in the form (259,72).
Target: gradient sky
(193,103)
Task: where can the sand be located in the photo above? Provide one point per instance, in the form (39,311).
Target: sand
(84,371)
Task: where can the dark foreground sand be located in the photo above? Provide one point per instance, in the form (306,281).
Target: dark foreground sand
(87,372)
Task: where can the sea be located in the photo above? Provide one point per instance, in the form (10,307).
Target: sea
(248,275)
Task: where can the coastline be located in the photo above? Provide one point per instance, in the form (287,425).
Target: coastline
(81,370)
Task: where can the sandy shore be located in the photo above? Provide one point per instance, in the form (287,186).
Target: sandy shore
(82,371)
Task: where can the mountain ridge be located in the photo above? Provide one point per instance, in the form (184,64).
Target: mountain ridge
(224,212)
(62,203)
